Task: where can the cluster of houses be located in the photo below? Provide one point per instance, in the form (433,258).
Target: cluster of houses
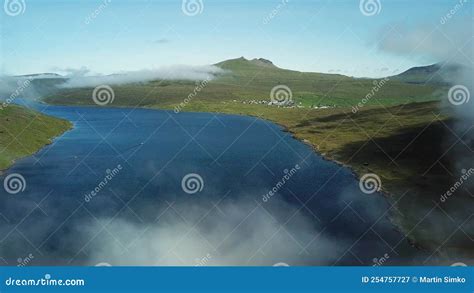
(287,104)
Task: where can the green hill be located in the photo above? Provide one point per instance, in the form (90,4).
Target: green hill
(23,132)
(241,63)
(251,80)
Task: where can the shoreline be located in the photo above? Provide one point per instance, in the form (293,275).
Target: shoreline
(385,193)
(51,141)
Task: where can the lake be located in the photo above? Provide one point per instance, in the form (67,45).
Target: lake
(150,187)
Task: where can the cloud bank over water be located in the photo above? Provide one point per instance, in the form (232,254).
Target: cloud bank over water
(237,233)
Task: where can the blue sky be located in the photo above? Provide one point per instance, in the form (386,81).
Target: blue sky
(323,36)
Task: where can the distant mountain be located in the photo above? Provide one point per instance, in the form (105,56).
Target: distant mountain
(432,74)
(262,69)
(40,84)
(263,62)
(41,75)
(243,63)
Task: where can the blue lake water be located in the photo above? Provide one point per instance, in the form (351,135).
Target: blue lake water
(142,215)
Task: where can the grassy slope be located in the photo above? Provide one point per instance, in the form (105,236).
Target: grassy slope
(23,132)
(400,123)
(431,74)
(248,80)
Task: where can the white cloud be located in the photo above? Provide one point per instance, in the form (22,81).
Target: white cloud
(82,77)
(239,233)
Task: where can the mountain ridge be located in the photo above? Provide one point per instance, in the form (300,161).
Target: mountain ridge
(437,73)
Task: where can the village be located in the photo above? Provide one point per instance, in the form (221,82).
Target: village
(286,104)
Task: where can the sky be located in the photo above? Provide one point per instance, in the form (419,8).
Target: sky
(110,36)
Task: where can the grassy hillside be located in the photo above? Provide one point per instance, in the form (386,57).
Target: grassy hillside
(247,80)
(435,74)
(23,132)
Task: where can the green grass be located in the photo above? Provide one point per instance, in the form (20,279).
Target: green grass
(23,132)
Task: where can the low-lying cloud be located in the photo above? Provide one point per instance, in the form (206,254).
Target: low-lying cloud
(449,43)
(237,233)
(12,88)
(82,78)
